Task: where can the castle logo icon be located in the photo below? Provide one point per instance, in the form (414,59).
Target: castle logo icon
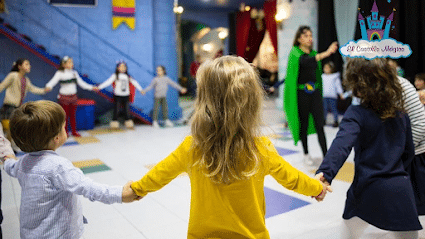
(375,23)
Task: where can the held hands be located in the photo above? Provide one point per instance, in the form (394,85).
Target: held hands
(96,89)
(183,91)
(128,195)
(326,187)
(47,89)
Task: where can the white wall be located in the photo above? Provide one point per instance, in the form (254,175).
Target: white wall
(300,13)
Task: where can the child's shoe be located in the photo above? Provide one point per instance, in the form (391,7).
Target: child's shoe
(155,124)
(129,124)
(168,123)
(114,124)
(308,160)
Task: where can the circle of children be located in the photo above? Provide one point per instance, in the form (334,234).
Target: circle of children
(387,191)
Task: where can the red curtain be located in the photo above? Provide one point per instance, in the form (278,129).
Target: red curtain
(243,24)
(270,13)
(256,36)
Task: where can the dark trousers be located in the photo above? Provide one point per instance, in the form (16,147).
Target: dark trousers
(1,213)
(311,104)
(157,103)
(121,102)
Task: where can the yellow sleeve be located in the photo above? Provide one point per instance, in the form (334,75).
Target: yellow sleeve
(166,170)
(288,176)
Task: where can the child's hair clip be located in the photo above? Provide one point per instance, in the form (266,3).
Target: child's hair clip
(65,58)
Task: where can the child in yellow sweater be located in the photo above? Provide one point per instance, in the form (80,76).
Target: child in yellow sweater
(225,157)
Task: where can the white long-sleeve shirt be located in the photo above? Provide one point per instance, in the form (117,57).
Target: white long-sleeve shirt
(122,84)
(68,80)
(50,207)
(331,85)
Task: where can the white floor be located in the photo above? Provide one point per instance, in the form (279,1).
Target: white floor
(164,214)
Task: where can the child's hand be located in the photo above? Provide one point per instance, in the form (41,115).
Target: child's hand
(96,89)
(47,89)
(326,187)
(183,91)
(143,92)
(128,195)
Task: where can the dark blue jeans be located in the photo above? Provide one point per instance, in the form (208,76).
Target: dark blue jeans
(329,104)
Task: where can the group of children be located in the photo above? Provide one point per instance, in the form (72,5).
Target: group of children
(227,159)
(17,85)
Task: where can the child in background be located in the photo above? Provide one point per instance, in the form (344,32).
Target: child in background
(394,63)
(6,151)
(331,90)
(17,84)
(122,81)
(50,183)
(160,84)
(68,79)
(380,132)
(225,157)
(420,86)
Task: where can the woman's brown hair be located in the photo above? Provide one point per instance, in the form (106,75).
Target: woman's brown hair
(227,119)
(298,34)
(375,83)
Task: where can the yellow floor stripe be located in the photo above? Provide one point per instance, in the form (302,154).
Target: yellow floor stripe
(346,173)
(274,136)
(87,140)
(150,166)
(105,131)
(88,163)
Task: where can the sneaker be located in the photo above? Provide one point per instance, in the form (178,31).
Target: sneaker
(155,124)
(308,160)
(168,123)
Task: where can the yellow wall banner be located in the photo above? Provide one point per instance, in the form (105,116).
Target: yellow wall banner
(123,11)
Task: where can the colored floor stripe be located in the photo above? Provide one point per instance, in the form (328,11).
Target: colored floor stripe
(88,163)
(87,140)
(278,203)
(284,152)
(91,166)
(345,174)
(105,131)
(70,143)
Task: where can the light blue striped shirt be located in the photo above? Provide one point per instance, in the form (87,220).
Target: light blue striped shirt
(50,184)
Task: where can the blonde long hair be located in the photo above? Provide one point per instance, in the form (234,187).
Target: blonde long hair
(227,119)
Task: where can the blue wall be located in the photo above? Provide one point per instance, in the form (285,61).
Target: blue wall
(86,35)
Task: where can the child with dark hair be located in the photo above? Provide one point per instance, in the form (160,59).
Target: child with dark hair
(332,89)
(123,83)
(380,132)
(50,183)
(68,79)
(17,84)
(160,83)
(420,86)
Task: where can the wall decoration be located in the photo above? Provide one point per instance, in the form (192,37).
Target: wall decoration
(123,11)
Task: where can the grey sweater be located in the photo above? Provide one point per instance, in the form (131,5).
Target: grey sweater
(161,86)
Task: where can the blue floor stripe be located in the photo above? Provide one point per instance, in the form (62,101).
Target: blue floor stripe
(278,203)
(283,151)
(70,143)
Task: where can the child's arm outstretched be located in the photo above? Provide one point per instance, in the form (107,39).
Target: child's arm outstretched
(136,84)
(84,84)
(72,179)
(165,171)
(176,86)
(290,177)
